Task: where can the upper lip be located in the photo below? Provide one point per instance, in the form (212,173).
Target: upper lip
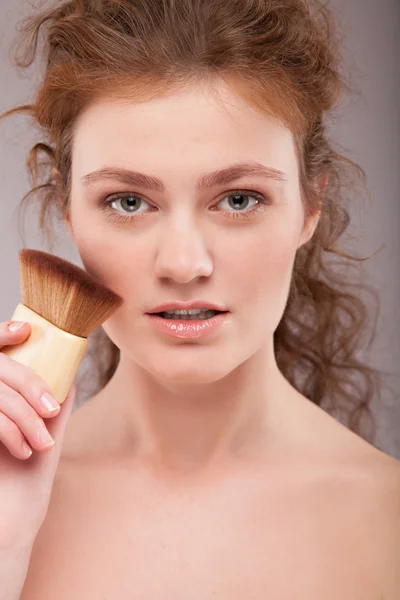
(187,306)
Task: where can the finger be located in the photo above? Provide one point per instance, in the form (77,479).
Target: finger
(17,409)
(29,385)
(8,338)
(12,439)
(58,425)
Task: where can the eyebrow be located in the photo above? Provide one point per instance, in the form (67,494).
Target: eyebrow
(205,181)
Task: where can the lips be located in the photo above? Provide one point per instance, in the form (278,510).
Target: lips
(188,329)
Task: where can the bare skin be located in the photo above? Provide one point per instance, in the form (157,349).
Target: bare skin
(198,472)
(318,520)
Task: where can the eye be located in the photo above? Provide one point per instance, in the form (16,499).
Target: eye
(128,202)
(240,200)
(125,206)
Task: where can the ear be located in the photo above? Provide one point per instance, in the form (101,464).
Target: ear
(311,221)
(310,225)
(68,226)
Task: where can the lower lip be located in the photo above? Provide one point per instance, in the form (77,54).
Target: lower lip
(192,329)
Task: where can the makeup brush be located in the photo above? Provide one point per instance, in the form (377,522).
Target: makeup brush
(63,304)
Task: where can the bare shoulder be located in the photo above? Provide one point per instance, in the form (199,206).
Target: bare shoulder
(383,509)
(387,495)
(374,500)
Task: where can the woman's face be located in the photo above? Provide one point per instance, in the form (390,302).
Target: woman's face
(231,242)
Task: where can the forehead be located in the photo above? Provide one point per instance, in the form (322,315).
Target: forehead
(195,126)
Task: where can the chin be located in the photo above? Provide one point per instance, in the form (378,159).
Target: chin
(189,376)
(186,372)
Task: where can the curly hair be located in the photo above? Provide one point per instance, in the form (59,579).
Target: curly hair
(283,57)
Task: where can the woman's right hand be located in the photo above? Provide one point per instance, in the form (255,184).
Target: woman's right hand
(26,482)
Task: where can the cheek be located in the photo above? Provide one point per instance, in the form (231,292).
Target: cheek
(115,258)
(122,274)
(264,268)
(111,265)
(97,261)
(112,262)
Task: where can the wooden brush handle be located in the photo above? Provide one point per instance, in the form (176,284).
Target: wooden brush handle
(52,353)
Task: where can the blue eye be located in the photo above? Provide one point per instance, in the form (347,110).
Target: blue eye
(130,204)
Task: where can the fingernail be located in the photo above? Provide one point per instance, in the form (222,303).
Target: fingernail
(48,402)
(16,325)
(26,450)
(45,437)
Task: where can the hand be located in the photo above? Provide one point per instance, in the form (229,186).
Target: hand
(26,482)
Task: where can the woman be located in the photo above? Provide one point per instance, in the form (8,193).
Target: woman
(191,168)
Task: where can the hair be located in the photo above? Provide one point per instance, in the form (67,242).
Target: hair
(284,58)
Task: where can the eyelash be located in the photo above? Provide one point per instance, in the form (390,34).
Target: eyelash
(115,216)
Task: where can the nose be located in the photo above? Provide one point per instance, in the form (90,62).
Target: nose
(182,255)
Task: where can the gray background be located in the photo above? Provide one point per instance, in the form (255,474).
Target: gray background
(366,127)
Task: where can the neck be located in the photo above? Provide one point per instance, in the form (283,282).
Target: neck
(187,427)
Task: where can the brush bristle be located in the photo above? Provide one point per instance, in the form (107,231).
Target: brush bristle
(63,293)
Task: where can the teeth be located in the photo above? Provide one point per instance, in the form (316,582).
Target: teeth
(189,315)
(192,311)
